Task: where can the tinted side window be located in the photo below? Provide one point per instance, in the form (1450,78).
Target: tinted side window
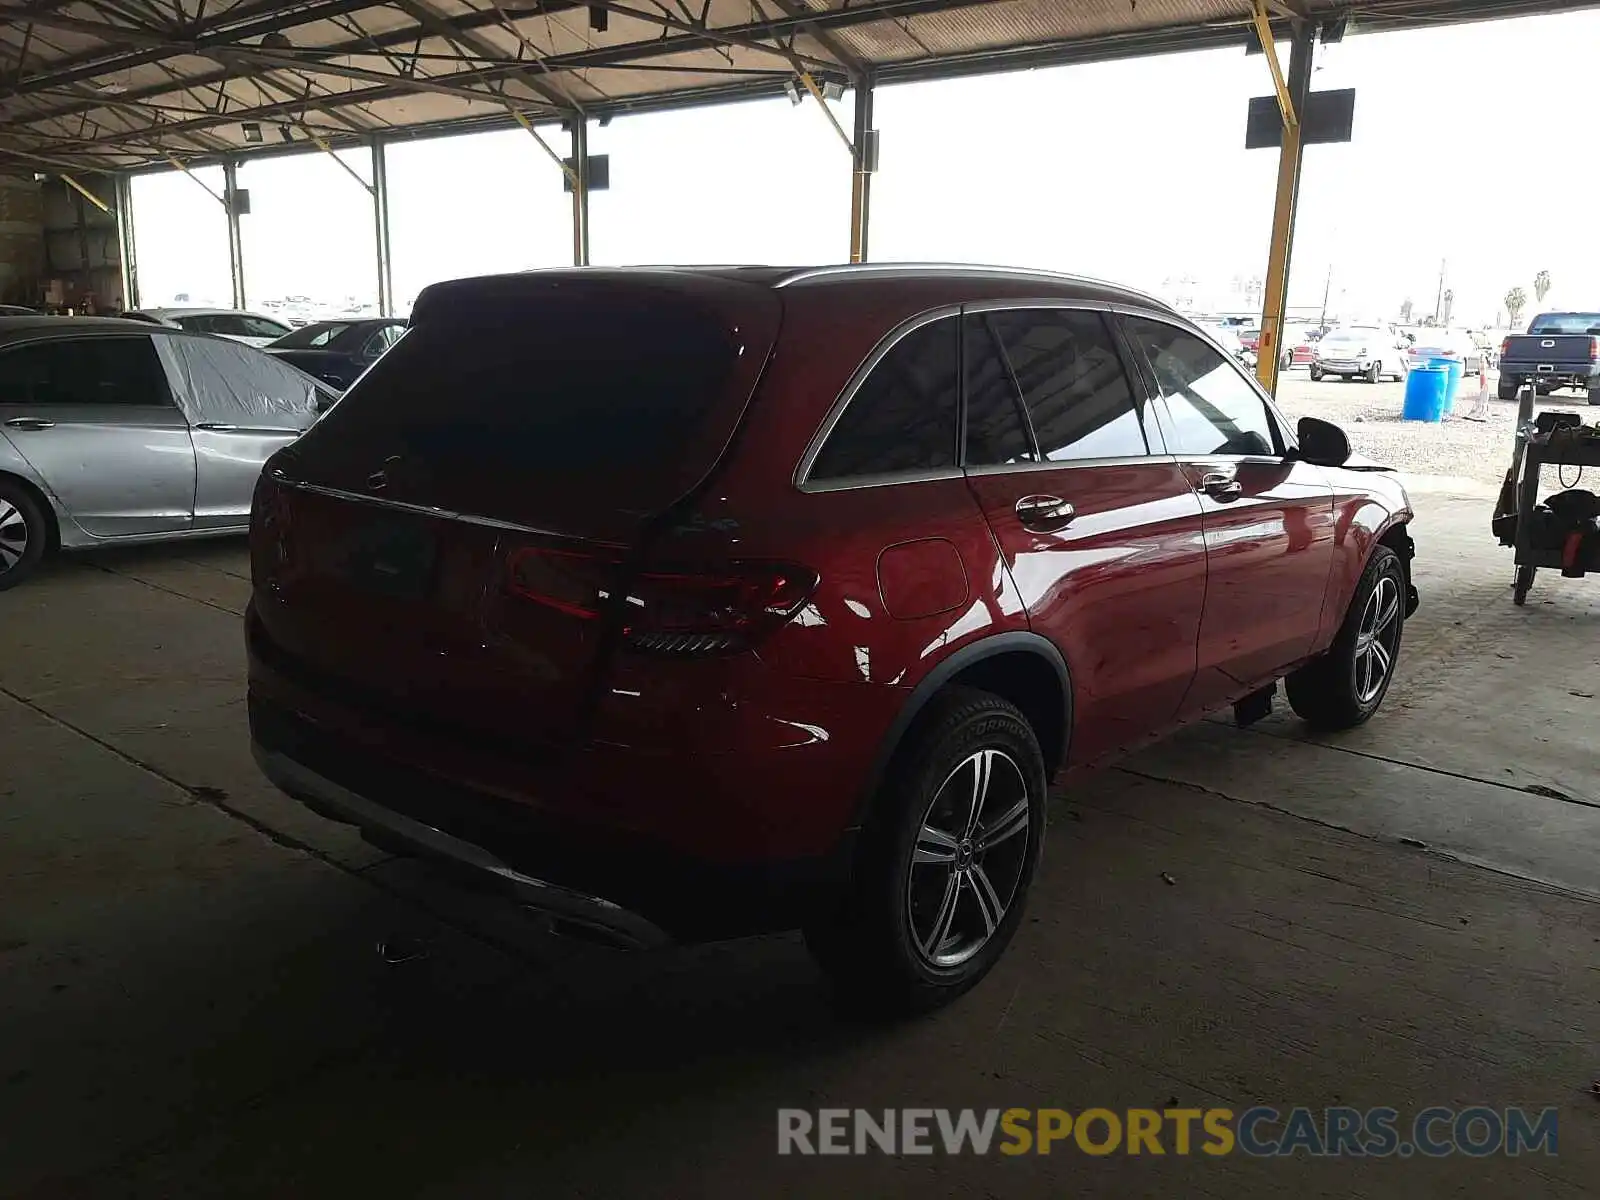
(197,324)
(115,370)
(903,416)
(997,431)
(1214,409)
(1072,382)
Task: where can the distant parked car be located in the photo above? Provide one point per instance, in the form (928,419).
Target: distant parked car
(1453,344)
(250,328)
(336,352)
(111,431)
(1370,352)
(1298,347)
(1560,349)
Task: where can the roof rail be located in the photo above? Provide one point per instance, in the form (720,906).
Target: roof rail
(806,274)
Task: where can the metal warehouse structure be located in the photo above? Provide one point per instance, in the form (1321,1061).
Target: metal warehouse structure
(118,86)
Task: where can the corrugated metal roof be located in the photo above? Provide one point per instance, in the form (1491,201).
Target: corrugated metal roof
(93,89)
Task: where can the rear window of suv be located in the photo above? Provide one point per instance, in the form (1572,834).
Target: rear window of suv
(578,384)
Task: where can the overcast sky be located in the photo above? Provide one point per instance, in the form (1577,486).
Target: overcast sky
(1132,171)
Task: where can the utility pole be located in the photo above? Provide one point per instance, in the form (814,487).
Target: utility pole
(1327,286)
(1438,302)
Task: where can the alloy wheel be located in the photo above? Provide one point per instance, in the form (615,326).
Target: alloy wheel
(13,535)
(1376,638)
(970,854)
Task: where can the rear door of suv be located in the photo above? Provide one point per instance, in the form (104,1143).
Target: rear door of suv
(1097,523)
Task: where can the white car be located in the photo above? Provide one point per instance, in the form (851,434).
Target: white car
(250,328)
(1370,352)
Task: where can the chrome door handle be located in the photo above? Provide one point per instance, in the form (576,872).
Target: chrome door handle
(1044,512)
(29,423)
(1220,484)
(216,427)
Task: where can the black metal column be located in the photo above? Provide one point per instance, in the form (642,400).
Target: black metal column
(580,191)
(230,203)
(380,227)
(863,154)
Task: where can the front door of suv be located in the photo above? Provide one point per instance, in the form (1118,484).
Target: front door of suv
(1098,525)
(1269,525)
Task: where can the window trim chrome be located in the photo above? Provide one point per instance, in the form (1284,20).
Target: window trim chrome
(802,471)
(1274,415)
(1152,411)
(1071,464)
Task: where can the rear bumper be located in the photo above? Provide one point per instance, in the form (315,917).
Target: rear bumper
(1566,374)
(630,889)
(323,796)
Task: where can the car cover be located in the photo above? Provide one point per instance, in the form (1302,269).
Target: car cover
(228,383)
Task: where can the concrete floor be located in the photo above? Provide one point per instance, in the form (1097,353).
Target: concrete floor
(191,1002)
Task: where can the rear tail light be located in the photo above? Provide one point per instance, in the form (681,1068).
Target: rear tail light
(270,512)
(1594,349)
(573,582)
(1505,347)
(672,612)
(688,612)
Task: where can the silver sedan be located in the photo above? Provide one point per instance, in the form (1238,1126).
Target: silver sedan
(112,431)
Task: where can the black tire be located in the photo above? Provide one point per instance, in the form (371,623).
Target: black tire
(1333,691)
(1285,362)
(1506,389)
(1523,584)
(1316,373)
(872,944)
(1374,372)
(1542,389)
(24,533)
(1594,395)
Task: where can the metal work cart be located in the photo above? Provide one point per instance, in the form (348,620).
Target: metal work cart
(1514,519)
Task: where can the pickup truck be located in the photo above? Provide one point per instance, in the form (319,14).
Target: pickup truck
(1560,349)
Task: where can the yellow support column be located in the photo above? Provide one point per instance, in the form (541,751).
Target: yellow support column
(1292,95)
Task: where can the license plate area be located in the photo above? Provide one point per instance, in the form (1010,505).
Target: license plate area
(391,556)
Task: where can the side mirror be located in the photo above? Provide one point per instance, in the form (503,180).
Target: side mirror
(1322,443)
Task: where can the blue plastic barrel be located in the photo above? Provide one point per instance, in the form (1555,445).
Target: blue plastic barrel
(1456,367)
(1425,393)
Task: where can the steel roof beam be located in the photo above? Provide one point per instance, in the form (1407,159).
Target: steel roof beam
(605,56)
(393,87)
(223,28)
(431,19)
(275,24)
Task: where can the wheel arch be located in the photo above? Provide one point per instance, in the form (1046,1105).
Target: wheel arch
(1019,666)
(1397,537)
(52,519)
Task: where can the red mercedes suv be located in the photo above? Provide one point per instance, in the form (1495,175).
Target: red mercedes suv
(689,603)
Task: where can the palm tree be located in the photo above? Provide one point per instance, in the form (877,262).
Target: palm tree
(1449,303)
(1515,301)
(1541,285)
(1405,313)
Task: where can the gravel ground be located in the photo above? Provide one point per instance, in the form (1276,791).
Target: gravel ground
(1474,454)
